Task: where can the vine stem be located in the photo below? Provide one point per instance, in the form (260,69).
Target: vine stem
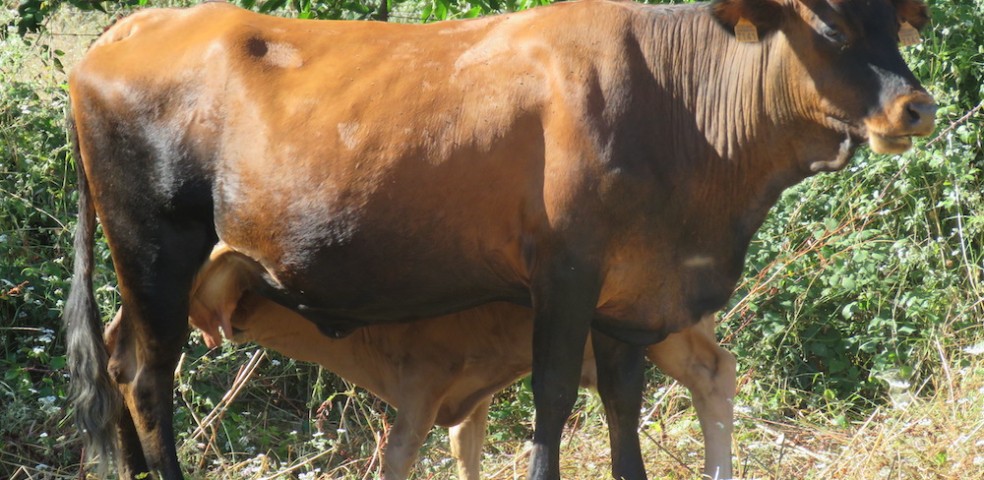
(956,123)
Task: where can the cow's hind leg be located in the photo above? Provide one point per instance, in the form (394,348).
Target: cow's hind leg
(564,299)
(620,376)
(156,265)
(694,358)
(131,461)
(467,438)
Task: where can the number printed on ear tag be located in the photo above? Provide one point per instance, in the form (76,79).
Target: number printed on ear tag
(746,32)
(908,35)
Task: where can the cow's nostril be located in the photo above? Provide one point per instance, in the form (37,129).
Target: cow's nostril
(913,114)
(921,113)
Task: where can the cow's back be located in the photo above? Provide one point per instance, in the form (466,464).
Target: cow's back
(308,134)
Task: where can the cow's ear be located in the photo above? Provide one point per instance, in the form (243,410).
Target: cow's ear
(764,15)
(912,11)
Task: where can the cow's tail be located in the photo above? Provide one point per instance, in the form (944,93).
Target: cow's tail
(94,395)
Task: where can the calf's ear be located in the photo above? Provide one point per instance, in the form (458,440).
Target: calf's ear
(912,11)
(764,15)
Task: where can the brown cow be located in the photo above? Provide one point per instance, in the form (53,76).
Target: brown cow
(604,162)
(446,370)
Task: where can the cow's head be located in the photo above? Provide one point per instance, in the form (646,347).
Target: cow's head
(842,67)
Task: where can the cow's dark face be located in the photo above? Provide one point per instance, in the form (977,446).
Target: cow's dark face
(842,65)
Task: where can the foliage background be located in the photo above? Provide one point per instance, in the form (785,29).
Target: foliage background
(863,300)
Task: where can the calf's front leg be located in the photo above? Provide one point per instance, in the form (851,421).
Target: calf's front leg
(466,441)
(414,419)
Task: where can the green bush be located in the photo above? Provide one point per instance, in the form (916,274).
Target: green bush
(36,205)
(856,278)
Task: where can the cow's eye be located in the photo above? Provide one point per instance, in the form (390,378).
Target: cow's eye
(833,35)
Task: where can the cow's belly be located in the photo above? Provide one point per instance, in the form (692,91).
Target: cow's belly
(379,275)
(403,247)
(397,280)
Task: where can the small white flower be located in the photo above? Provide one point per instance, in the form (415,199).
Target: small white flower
(309,475)
(975,349)
(743,409)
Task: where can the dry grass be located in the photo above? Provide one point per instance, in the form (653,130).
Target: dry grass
(937,435)
(936,432)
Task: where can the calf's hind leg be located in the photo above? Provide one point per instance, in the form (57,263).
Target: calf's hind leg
(694,358)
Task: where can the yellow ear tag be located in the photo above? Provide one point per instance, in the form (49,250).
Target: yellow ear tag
(745,31)
(908,35)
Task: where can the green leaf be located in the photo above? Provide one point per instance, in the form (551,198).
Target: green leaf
(272,5)
(57,362)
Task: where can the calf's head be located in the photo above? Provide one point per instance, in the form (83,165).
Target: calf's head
(837,63)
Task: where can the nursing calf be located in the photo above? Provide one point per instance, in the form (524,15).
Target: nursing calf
(446,370)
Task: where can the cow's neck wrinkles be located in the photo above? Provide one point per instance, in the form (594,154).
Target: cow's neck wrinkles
(727,104)
(733,92)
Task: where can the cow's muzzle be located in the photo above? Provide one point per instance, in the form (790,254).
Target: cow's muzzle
(910,115)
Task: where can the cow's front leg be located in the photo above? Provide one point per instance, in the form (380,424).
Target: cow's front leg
(620,383)
(564,300)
